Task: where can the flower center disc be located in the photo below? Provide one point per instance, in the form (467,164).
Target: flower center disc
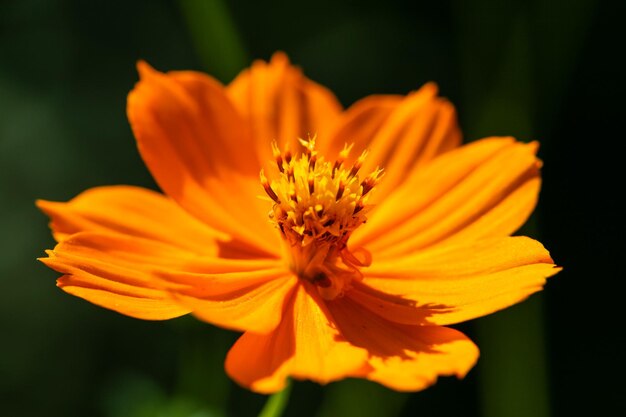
(317,206)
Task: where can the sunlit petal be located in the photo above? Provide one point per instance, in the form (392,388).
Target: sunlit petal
(465,281)
(281,104)
(406,358)
(485,189)
(126,274)
(306,345)
(198,149)
(400,134)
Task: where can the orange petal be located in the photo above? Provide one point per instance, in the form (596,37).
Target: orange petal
(404,358)
(462,282)
(132,211)
(449,353)
(485,189)
(391,307)
(306,345)
(123,273)
(281,104)
(400,134)
(198,149)
(113,285)
(244,301)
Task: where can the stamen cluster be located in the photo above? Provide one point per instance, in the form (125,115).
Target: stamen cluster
(317,205)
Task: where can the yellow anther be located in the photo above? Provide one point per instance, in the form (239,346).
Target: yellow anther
(268,189)
(371,181)
(309,145)
(277,156)
(311,182)
(345,152)
(358,164)
(340,189)
(317,206)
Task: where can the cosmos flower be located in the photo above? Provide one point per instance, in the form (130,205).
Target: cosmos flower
(340,242)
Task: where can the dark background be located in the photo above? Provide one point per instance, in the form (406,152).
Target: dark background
(545,70)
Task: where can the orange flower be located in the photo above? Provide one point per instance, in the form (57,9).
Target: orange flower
(375,228)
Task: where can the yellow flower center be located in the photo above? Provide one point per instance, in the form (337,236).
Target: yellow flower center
(317,206)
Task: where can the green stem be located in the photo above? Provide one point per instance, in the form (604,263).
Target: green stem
(499,95)
(359,398)
(516,65)
(513,373)
(202,347)
(215,37)
(277,403)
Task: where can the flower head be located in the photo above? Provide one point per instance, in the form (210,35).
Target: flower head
(340,242)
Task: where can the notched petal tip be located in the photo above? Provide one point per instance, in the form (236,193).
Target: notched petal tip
(430,88)
(60,282)
(40,203)
(145,70)
(50,253)
(533,146)
(52,262)
(543,256)
(47,207)
(279,58)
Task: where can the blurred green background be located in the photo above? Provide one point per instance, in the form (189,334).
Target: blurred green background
(545,70)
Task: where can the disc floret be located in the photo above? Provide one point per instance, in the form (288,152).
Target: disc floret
(317,206)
